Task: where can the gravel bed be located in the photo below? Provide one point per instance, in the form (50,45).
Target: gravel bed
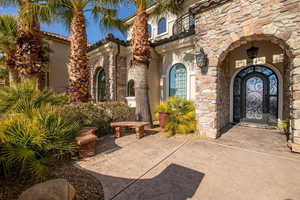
(87,187)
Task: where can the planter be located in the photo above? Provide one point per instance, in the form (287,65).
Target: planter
(163,119)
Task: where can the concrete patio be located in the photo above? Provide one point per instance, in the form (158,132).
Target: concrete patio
(245,163)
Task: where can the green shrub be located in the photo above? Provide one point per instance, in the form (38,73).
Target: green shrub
(182,117)
(34,143)
(98,115)
(283,126)
(24,97)
(33,135)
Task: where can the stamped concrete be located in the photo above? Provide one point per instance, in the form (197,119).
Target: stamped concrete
(160,168)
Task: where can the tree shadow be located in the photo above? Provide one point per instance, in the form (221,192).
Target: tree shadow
(174,183)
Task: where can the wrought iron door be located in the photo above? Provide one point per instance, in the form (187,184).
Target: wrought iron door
(256,95)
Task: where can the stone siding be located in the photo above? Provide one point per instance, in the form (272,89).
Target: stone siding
(225,28)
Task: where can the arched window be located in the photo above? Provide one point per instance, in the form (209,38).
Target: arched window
(162,26)
(101,86)
(149,31)
(130,88)
(178,81)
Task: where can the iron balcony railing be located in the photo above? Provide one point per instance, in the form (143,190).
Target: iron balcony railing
(184,24)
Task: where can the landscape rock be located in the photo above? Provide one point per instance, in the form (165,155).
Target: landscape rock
(56,189)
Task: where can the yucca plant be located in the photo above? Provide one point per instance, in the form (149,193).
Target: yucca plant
(182,117)
(25,96)
(31,144)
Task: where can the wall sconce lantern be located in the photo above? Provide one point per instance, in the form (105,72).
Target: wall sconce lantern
(201,58)
(252,52)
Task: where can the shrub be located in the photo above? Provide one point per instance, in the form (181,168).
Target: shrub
(23,97)
(181,115)
(98,115)
(33,143)
(33,135)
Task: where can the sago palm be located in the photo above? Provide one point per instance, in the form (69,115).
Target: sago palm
(33,144)
(24,96)
(29,55)
(141,51)
(72,13)
(8,35)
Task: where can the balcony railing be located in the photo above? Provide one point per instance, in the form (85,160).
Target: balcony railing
(184,24)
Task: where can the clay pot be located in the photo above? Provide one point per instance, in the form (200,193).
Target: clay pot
(163,119)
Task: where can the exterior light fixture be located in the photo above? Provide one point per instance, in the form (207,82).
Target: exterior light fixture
(252,52)
(201,58)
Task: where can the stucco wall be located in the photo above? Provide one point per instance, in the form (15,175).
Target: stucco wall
(179,51)
(171,18)
(58,66)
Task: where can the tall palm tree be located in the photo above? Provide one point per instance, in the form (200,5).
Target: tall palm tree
(141,50)
(72,12)
(8,35)
(29,57)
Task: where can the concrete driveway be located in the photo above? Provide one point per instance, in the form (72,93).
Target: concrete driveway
(159,168)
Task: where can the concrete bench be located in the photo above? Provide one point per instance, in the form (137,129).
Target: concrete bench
(139,127)
(86,142)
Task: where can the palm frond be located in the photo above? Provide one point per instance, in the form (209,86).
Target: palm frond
(25,96)
(5,3)
(33,144)
(171,6)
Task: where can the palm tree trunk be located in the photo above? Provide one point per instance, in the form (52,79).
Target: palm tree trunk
(14,76)
(78,67)
(140,60)
(29,52)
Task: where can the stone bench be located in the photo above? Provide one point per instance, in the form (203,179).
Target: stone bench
(139,127)
(86,142)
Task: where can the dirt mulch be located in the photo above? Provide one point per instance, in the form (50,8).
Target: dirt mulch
(87,187)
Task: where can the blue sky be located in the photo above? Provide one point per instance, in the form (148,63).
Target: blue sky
(93,30)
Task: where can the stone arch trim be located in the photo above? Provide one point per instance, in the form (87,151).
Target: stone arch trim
(223,52)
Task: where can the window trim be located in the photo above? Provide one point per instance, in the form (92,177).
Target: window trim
(150,36)
(186,83)
(97,84)
(128,91)
(167,27)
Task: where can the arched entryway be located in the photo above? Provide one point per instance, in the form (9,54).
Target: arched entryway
(255,90)
(255,95)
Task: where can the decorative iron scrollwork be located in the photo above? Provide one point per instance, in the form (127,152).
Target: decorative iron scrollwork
(183,24)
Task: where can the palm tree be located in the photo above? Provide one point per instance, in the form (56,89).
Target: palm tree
(29,56)
(8,35)
(72,12)
(141,51)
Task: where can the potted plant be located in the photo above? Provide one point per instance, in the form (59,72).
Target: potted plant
(163,114)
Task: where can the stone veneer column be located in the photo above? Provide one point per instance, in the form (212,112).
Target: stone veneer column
(112,77)
(206,100)
(295,107)
(121,78)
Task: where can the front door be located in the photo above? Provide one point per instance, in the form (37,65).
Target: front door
(255,95)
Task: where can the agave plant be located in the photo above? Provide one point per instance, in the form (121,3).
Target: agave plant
(25,96)
(32,144)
